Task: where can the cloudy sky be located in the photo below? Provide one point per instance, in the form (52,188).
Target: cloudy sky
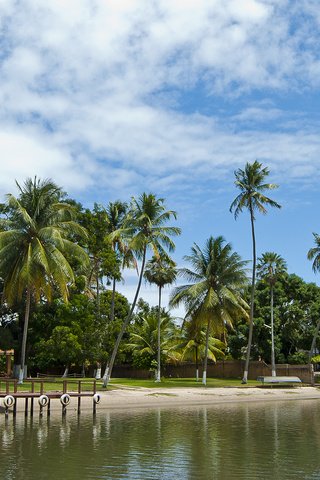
(114,97)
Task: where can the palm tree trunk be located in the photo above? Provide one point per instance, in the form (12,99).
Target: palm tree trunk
(113,299)
(205,362)
(273,362)
(98,292)
(24,336)
(253,284)
(98,372)
(158,379)
(197,366)
(314,339)
(108,372)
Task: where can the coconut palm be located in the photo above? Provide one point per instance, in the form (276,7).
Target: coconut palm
(314,254)
(251,183)
(160,270)
(143,229)
(143,341)
(115,218)
(214,296)
(193,342)
(270,267)
(35,250)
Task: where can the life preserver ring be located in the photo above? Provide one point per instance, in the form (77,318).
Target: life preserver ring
(96,398)
(65,399)
(43,400)
(8,401)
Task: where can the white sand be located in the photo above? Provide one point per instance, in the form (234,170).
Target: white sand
(128,398)
(144,397)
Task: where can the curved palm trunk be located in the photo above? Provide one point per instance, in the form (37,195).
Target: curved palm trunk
(24,336)
(273,362)
(108,372)
(253,284)
(158,377)
(205,362)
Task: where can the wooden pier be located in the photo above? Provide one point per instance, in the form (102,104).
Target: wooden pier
(11,393)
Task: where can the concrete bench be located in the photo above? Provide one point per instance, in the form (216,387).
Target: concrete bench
(279,380)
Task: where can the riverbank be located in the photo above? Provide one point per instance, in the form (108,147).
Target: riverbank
(123,398)
(128,398)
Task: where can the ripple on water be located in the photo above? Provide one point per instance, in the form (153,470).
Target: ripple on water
(278,440)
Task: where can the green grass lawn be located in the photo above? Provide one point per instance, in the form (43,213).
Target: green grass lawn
(116,383)
(182,382)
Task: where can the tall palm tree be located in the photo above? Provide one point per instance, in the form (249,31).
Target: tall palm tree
(144,229)
(251,183)
(270,267)
(314,254)
(160,270)
(35,250)
(115,217)
(214,296)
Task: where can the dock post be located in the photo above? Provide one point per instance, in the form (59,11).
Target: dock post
(32,399)
(79,397)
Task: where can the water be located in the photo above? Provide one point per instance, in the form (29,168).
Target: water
(247,441)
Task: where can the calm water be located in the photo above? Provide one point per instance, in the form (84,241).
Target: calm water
(271,441)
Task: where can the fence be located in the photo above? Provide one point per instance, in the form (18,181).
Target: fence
(222,369)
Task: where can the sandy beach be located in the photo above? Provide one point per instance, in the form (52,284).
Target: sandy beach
(128,398)
(145,398)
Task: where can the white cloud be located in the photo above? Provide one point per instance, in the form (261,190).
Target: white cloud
(82,84)
(26,156)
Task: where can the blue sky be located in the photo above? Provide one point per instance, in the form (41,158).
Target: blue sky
(114,97)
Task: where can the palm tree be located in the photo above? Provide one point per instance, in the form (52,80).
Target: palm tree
(143,229)
(214,296)
(115,217)
(193,344)
(143,341)
(160,270)
(314,254)
(35,250)
(270,267)
(250,182)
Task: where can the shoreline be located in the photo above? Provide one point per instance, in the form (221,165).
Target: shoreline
(132,398)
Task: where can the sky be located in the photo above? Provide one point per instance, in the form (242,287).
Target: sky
(112,98)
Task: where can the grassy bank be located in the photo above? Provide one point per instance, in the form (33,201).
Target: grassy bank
(87,384)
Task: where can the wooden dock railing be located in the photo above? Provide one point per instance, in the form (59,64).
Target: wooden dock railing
(10,391)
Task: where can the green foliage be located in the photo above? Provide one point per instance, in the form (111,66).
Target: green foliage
(95,335)
(296,313)
(298,358)
(143,341)
(104,260)
(217,278)
(3,369)
(35,249)
(62,345)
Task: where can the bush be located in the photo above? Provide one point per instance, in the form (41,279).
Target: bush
(298,358)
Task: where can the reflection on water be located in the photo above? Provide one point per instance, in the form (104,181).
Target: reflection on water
(247,441)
